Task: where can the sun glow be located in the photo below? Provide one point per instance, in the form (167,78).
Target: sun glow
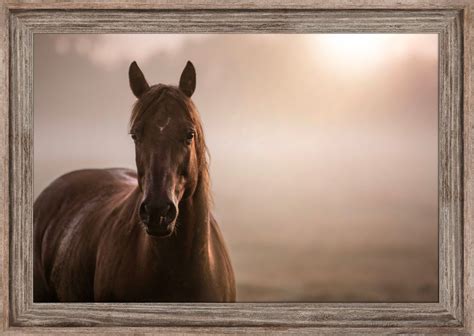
(363,52)
(354,50)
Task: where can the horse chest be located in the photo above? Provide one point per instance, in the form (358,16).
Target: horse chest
(156,279)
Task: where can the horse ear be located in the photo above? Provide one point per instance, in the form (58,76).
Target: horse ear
(138,82)
(187,82)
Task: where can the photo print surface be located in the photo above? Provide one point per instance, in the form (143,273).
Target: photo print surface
(323,149)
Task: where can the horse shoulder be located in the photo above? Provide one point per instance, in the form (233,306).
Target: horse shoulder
(68,216)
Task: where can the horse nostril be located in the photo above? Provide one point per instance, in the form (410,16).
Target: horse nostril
(163,214)
(144,213)
(168,212)
(166,209)
(163,210)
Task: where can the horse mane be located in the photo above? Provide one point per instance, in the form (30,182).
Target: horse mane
(148,102)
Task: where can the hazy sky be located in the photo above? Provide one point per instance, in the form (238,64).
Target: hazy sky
(318,143)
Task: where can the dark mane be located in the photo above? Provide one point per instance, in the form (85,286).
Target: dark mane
(148,103)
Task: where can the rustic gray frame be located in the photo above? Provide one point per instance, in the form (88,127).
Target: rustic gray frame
(453,314)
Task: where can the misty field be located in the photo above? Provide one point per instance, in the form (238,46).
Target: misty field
(277,273)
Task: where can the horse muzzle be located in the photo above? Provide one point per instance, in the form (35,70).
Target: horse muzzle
(159,221)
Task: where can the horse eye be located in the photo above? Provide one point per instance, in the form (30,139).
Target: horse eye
(134,137)
(190,136)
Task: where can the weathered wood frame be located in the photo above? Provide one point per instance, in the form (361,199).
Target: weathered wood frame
(453,314)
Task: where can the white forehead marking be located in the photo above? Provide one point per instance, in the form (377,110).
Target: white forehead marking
(166,124)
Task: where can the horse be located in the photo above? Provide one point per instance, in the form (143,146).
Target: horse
(116,235)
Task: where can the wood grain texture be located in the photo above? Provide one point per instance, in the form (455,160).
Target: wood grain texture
(451,20)
(468,182)
(236,21)
(21,169)
(4,161)
(450,151)
(236,4)
(234,331)
(239,314)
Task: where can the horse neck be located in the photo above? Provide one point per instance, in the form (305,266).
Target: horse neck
(193,222)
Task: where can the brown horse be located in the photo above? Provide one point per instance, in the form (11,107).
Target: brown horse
(116,235)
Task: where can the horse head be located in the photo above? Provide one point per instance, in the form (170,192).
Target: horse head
(170,152)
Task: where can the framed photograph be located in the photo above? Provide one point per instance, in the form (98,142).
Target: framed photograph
(223,168)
